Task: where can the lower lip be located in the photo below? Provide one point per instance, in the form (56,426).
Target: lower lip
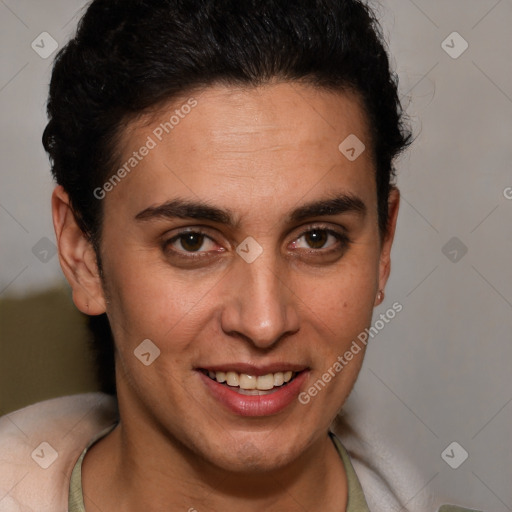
(255,405)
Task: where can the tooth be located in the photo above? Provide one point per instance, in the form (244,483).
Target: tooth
(278,379)
(232,379)
(265,382)
(247,381)
(220,377)
(251,382)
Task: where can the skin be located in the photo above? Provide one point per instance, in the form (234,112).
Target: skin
(259,152)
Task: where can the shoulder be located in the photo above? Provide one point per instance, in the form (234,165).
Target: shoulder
(389,480)
(40,444)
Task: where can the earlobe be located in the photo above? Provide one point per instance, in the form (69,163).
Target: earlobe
(77,256)
(380,298)
(385,254)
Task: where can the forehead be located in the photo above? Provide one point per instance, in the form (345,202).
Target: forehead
(246,144)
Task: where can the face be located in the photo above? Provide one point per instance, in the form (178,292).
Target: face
(274,275)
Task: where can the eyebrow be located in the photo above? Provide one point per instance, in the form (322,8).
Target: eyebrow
(186,209)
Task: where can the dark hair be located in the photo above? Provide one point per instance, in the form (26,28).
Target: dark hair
(130,56)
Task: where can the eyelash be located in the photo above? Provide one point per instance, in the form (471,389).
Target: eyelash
(342,239)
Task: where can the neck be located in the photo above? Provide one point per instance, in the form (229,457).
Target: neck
(124,471)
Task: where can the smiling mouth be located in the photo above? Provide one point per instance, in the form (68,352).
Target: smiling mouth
(246,384)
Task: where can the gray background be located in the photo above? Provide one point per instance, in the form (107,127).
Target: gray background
(440,371)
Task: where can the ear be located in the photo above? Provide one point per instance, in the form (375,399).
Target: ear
(387,242)
(77,257)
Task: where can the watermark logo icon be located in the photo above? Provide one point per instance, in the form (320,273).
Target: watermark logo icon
(44,45)
(454,249)
(45,455)
(44,250)
(454,455)
(352,147)
(249,249)
(147,352)
(454,45)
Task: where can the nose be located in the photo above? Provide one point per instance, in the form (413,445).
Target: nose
(259,305)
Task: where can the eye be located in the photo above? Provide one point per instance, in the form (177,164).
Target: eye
(317,237)
(187,243)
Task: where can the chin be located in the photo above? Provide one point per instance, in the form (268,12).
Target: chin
(255,453)
(249,459)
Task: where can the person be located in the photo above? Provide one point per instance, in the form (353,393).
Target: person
(226,206)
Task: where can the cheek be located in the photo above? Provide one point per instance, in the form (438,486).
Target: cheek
(338,308)
(147,306)
(344,299)
(149,301)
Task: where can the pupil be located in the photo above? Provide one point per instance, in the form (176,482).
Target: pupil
(317,237)
(192,241)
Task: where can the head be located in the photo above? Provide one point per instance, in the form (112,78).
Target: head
(206,201)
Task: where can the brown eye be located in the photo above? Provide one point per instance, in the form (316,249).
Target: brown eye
(192,241)
(191,245)
(316,238)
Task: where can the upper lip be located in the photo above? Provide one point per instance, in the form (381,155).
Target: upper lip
(251,369)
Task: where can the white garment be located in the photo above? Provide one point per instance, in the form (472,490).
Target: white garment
(66,424)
